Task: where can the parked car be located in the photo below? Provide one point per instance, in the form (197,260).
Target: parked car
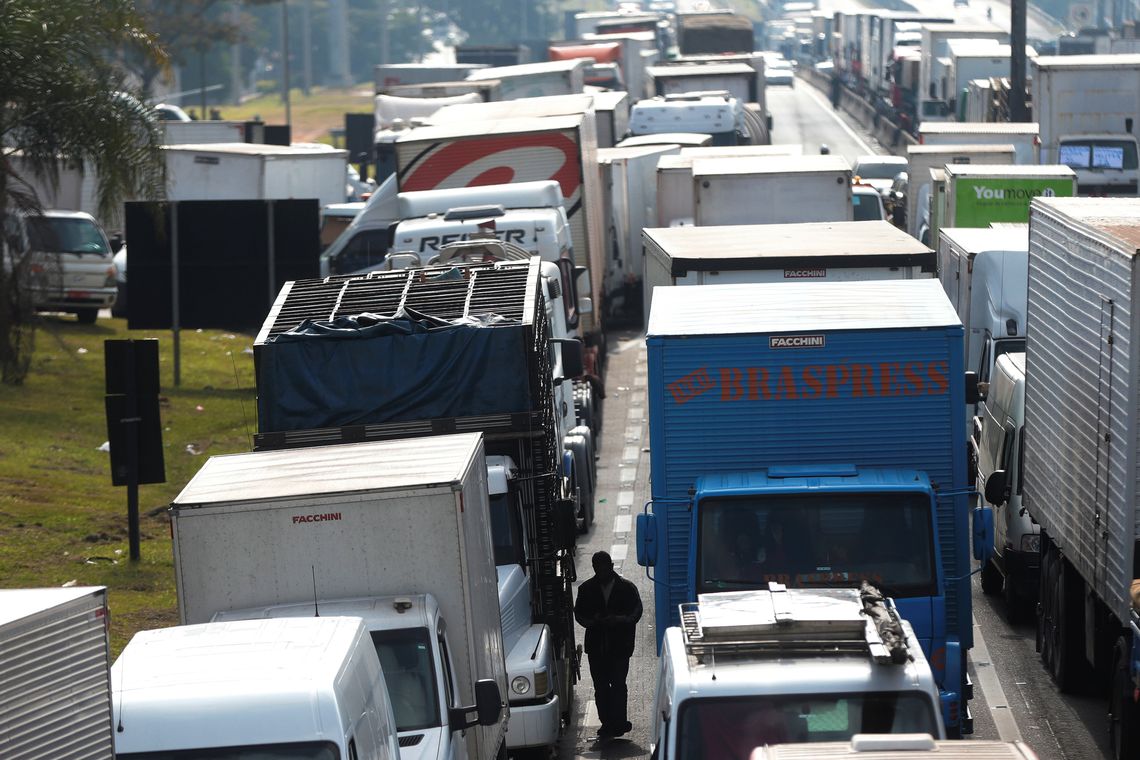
(779,71)
(70,263)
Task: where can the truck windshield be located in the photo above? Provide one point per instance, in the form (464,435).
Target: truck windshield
(406,658)
(1099,154)
(291,751)
(506,531)
(821,539)
(56,235)
(730,728)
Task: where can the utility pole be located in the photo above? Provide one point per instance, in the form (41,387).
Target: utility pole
(285,62)
(306,46)
(383,31)
(1017,110)
(236,84)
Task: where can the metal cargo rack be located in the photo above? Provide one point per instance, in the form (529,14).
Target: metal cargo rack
(795,622)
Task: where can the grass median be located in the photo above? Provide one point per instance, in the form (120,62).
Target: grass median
(61,520)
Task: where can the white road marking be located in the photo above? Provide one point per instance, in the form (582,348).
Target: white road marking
(630,453)
(625,499)
(618,552)
(622,523)
(635,413)
(628,475)
(591,718)
(633,433)
(991,687)
(811,91)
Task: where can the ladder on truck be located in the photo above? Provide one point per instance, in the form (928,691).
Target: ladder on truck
(782,622)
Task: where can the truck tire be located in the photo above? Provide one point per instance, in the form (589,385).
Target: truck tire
(1123,712)
(87,316)
(579,444)
(1014,604)
(1060,630)
(991,578)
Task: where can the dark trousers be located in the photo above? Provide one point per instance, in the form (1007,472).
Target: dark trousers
(608,673)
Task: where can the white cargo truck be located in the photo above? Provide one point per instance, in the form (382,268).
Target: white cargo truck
(983,272)
(612,110)
(752,668)
(248,171)
(898,747)
(399,74)
(1024,137)
(922,158)
(55,673)
(202,131)
(532,80)
(1082,434)
(400,528)
(782,253)
(715,113)
(934,89)
(737,79)
(1088,107)
(298,688)
(771,190)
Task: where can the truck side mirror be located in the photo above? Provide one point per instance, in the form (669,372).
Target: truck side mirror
(488,707)
(646,539)
(585,305)
(983,524)
(997,488)
(974,392)
(572,362)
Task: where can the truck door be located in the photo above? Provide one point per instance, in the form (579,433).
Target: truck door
(451,739)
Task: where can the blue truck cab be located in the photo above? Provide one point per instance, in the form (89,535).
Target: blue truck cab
(813,434)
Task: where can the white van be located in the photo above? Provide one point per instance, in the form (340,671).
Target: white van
(999,431)
(301,688)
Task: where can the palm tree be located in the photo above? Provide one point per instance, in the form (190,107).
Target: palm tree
(63,103)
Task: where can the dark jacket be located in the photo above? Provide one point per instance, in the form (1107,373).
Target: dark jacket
(613,636)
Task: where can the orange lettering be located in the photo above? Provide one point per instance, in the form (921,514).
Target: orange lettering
(937,373)
(786,388)
(758,383)
(813,381)
(915,380)
(887,372)
(861,380)
(837,374)
(730,387)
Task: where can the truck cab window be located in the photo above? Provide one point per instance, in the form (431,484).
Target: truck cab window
(366,249)
(506,530)
(406,658)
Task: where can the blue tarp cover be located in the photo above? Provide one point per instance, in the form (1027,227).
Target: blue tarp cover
(373,368)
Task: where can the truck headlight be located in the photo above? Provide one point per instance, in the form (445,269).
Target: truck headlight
(520,685)
(1031,543)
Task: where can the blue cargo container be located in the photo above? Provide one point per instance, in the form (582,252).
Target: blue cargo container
(813,434)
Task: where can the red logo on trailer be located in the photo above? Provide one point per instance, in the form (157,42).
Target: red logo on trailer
(498,160)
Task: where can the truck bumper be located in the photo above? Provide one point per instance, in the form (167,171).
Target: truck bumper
(1023,569)
(534,724)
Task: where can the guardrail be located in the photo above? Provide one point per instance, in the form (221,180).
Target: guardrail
(890,135)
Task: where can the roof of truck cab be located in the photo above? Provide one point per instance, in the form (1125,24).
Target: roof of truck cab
(776,246)
(700,70)
(354,467)
(522,108)
(259,678)
(974,240)
(1114,61)
(779,307)
(259,149)
(634,151)
(722,165)
(1115,218)
(608,100)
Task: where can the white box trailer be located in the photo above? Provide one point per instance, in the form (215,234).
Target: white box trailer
(55,674)
(562,148)
(201,132)
(782,253)
(379,520)
(771,190)
(675,176)
(398,74)
(245,171)
(523,108)
(630,175)
(638,53)
(532,80)
(935,61)
(612,111)
(738,79)
(1088,107)
(1081,472)
(1022,136)
(487,90)
(922,158)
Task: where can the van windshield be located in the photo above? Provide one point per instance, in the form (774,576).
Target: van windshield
(290,751)
(821,539)
(406,658)
(730,728)
(56,235)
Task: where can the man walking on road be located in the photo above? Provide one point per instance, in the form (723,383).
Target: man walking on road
(609,607)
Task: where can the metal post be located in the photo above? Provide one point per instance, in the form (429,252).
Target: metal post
(272,240)
(175,326)
(131,422)
(202,79)
(285,62)
(306,46)
(1017,109)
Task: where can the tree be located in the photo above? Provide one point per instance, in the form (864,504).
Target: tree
(184,28)
(63,103)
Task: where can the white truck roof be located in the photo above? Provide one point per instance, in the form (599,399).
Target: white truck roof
(1114,218)
(268,670)
(527,69)
(875,243)
(762,308)
(700,70)
(713,151)
(702,114)
(897,747)
(722,165)
(306,472)
(1117,61)
(523,108)
(18,603)
(973,240)
(259,149)
(694,139)
(947,148)
(506,126)
(978,127)
(1013,170)
(538,194)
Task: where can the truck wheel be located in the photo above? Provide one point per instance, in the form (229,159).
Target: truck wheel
(991,578)
(87,316)
(1063,634)
(1014,604)
(1123,713)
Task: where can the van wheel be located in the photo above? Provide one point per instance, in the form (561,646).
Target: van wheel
(991,578)
(87,316)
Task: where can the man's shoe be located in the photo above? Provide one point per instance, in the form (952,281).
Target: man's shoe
(605,732)
(625,729)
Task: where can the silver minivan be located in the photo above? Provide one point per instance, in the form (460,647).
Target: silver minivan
(71,264)
(1016,562)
